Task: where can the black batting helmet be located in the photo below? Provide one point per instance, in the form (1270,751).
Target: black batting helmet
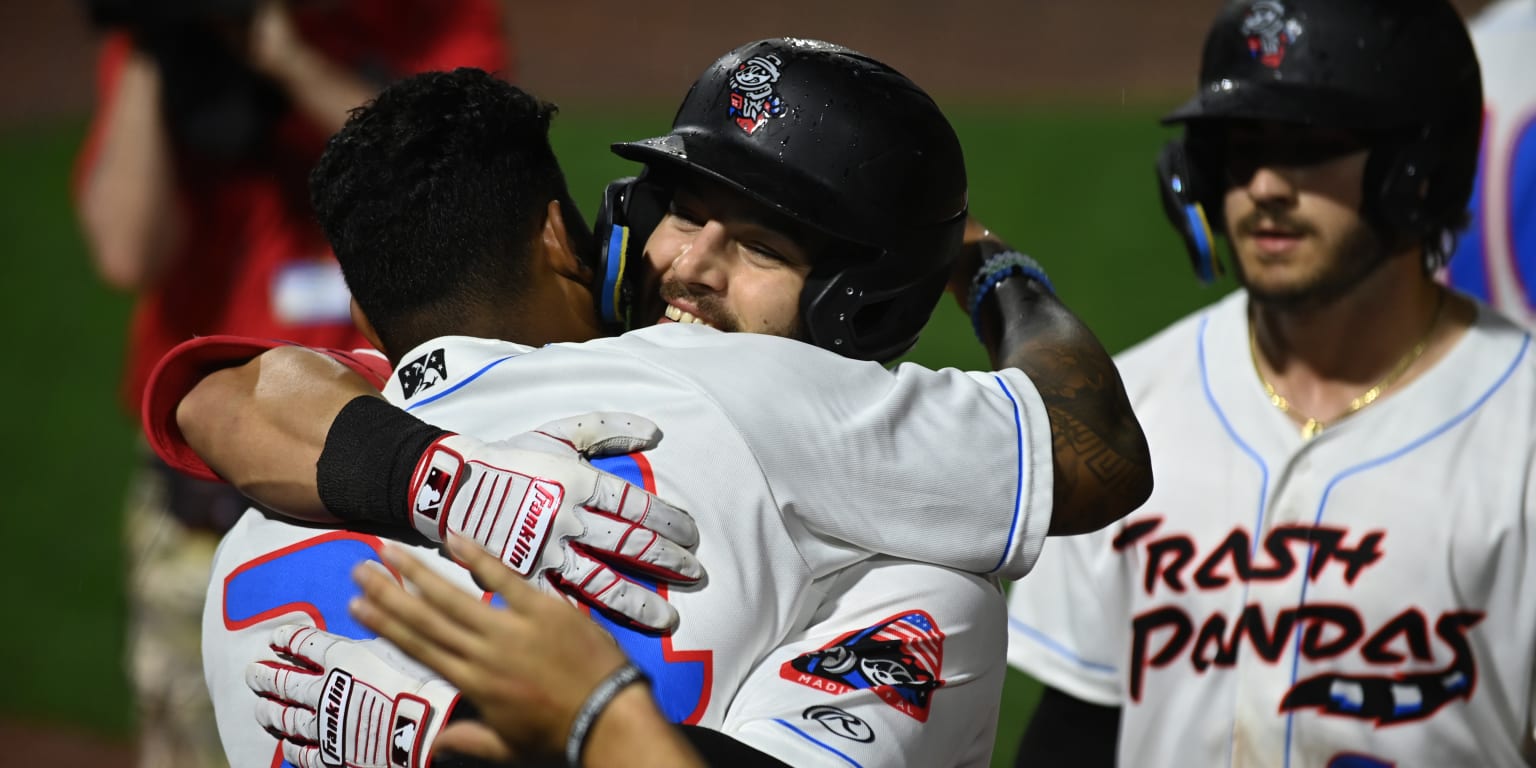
(842,143)
(1400,74)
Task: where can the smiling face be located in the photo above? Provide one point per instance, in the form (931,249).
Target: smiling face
(1293,212)
(721,259)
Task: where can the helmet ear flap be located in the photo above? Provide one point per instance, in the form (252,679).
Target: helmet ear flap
(630,210)
(874,305)
(1185,194)
(843,313)
(1405,176)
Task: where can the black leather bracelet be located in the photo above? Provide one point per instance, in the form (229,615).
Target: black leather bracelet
(596,702)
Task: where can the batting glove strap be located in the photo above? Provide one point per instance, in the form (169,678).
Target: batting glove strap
(536,504)
(364,726)
(510,512)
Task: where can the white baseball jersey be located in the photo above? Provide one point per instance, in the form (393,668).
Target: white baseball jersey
(1358,600)
(798,465)
(1496,256)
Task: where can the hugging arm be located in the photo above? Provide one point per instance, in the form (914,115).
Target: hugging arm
(262,425)
(305,434)
(1100,459)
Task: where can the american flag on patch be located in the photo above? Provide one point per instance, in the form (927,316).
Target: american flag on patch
(918,635)
(899,658)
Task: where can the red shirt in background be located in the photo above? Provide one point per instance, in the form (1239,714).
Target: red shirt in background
(253,261)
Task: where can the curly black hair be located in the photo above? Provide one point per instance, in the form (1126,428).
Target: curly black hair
(431,196)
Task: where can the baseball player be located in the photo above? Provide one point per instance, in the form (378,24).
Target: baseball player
(1496,255)
(759,428)
(1332,569)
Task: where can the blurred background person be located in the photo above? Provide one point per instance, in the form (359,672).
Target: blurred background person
(1341,427)
(191,194)
(1496,256)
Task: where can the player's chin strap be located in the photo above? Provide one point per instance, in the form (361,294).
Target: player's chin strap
(1181,190)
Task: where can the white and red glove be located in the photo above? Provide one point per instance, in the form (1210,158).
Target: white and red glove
(536,503)
(336,704)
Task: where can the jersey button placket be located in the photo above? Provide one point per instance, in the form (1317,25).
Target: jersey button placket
(1259,730)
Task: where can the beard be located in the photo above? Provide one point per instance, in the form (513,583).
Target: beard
(711,309)
(1360,253)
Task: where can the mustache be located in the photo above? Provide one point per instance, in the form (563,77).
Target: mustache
(1261,219)
(710,309)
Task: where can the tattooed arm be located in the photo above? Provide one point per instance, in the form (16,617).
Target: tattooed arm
(1102,467)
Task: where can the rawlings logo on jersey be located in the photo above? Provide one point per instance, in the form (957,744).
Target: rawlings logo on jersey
(900,659)
(1269,33)
(840,722)
(423,373)
(752,98)
(1318,632)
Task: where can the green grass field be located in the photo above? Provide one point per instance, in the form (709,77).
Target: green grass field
(1072,187)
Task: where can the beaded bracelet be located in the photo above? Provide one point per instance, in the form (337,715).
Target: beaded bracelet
(596,702)
(997,268)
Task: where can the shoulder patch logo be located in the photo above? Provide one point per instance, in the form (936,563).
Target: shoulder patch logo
(900,659)
(752,98)
(423,373)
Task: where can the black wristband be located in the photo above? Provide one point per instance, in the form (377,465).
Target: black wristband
(371,451)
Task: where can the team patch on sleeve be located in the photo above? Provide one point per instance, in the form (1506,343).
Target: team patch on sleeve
(900,659)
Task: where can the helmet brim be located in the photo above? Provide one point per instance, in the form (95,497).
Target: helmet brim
(670,152)
(1277,103)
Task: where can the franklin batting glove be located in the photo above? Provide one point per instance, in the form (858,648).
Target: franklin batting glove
(336,704)
(535,502)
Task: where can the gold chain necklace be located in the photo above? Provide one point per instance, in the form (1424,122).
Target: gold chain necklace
(1312,426)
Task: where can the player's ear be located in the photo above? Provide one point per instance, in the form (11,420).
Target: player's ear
(559,247)
(365,327)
